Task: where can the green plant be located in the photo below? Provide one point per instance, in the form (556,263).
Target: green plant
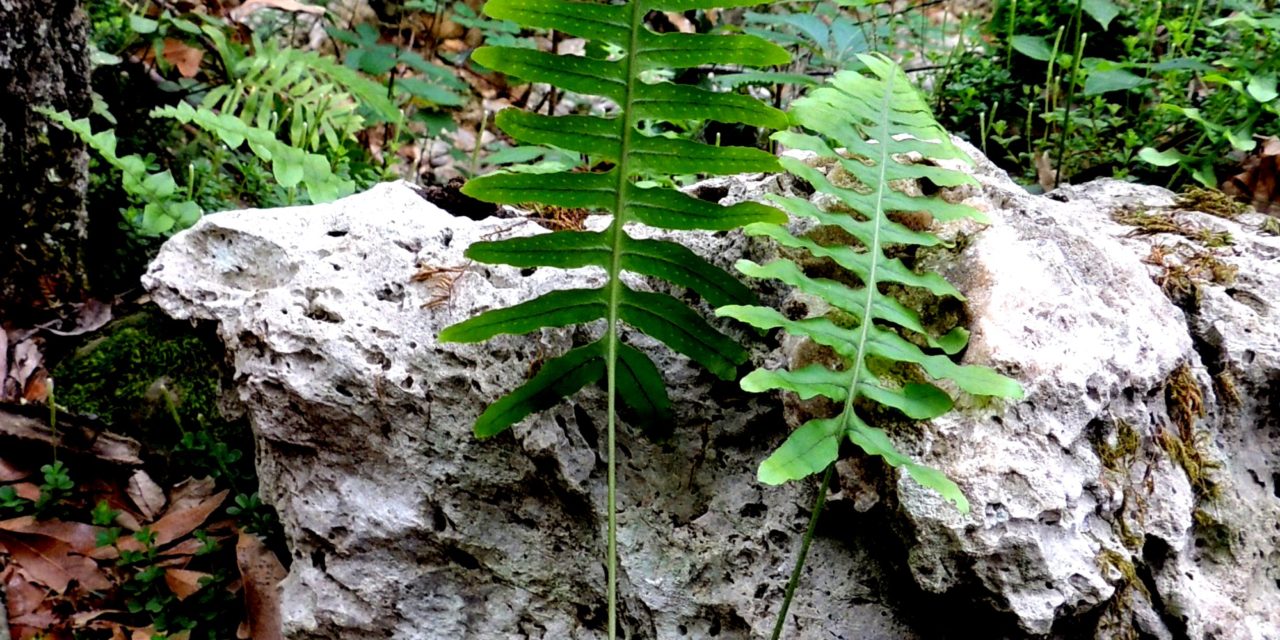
(873,334)
(1245,99)
(290,166)
(628,374)
(165,208)
(310,96)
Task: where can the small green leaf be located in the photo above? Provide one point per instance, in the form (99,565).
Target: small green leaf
(142,25)
(557,379)
(1104,11)
(806,451)
(1166,158)
(1262,87)
(1100,82)
(641,388)
(1034,47)
(555,309)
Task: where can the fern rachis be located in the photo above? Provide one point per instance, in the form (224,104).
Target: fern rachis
(628,374)
(867,116)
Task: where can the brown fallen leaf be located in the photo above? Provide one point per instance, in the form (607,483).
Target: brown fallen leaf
(1259,181)
(183,56)
(91,315)
(53,563)
(183,517)
(10,471)
(4,366)
(27,491)
(184,583)
(42,619)
(82,538)
(146,494)
(21,595)
(262,572)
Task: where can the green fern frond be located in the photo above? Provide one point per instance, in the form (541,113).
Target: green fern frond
(619,141)
(876,120)
(290,166)
(309,96)
(629,375)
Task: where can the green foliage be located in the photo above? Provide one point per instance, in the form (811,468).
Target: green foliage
(437,86)
(1160,91)
(290,166)
(311,97)
(154,380)
(865,115)
(165,208)
(618,141)
(876,119)
(629,375)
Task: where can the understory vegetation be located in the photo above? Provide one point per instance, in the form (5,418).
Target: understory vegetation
(203,106)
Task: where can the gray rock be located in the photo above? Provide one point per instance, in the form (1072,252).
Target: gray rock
(403,525)
(1086,522)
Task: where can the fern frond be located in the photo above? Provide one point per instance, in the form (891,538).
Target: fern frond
(619,141)
(629,375)
(290,166)
(311,97)
(876,120)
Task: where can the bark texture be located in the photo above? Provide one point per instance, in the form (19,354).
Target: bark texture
(44,61)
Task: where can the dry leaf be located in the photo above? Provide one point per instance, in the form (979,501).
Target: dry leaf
(52,563)
(1259,181)
(146,494)
(262,572)
(1046,175)
(184,516)
(21,595)
(27,491)
(243,11)
(42,619)
(27,359)
(184,583)
(10,471)
(90,316)
(183,56)
(82,538)
(4,366)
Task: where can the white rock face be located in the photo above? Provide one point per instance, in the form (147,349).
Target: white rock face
(1084,524)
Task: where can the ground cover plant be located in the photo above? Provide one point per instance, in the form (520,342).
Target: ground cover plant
(1172,93)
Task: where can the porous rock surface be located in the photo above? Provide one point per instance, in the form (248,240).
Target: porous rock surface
(1099,509)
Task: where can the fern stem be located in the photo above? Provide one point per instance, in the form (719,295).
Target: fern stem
(618,231)
(781,622)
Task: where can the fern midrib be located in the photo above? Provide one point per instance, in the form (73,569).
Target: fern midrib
(864,330)
(615,304)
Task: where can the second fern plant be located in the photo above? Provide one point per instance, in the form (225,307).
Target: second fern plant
(876,121)
(628,375)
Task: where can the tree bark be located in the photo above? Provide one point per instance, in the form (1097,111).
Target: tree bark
(44,61)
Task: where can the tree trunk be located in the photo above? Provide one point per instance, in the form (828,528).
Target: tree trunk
(44,61)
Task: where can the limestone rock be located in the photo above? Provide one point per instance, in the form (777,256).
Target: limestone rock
(403,525)
(1105,504)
